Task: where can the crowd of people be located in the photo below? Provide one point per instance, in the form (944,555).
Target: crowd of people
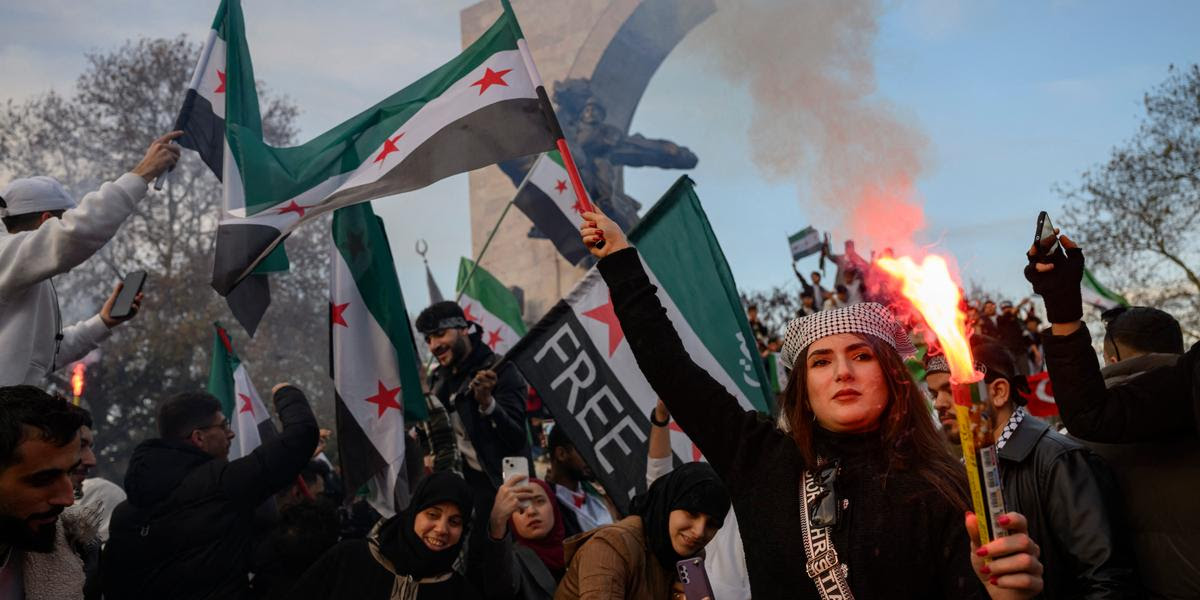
(854,489)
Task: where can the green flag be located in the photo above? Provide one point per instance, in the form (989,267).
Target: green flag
(578,360)
(494,307)
(374,358)
(229,381)
(1097,295)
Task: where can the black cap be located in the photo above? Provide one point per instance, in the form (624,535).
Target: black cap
(441,316)
(1000,363)
(1144,329)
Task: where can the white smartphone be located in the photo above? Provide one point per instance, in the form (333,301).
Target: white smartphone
(515,465)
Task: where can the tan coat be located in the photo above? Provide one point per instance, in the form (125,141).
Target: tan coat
(613,562)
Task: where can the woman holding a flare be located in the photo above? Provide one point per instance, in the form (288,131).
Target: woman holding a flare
(859,496)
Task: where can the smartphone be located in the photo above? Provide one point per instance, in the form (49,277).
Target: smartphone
(1044,238)
(694,579)
(132,287)
(515,465)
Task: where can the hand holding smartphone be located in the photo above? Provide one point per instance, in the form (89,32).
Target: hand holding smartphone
(131,286)
(1045,239)
(694,579)
(515,465)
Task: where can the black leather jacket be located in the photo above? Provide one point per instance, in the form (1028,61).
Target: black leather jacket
(1070,499)
(500,433)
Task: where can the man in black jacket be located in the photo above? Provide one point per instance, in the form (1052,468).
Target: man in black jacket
(1154,412)
(484,398)
(187,529)
(1064,490)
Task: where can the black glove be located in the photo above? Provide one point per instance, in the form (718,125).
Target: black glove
(1059,287)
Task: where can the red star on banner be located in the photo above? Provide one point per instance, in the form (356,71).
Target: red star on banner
(336,315)
(695,451)
(220,88)
(491,78)
(389,146)
(577,207)
(494,338)
(561,186)
(292,207)
(605,314)
(246,405)
(468,315)
(386,399)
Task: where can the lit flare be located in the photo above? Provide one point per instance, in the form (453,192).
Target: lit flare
(931,290)
(77,380)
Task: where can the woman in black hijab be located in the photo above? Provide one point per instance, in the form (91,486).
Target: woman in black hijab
(635,557)
(407,557)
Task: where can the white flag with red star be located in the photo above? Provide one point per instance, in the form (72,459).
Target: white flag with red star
(374,358)
(486,302)
(230,382)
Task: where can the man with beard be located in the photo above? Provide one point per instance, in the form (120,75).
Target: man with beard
(39,448)
(483,396)
(1064,490)
(583,506)
(937,379)
(187,530)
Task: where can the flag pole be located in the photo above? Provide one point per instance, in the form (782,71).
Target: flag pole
(551,118)
(488,242)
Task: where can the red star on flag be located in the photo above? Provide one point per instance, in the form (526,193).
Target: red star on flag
(605,314)
(561,186)
(494,338)
(247,406)
(468,315)
(491,78)
(695,451)
(220,88)
(389,146)
(336,314)
(386,399)
(577,207)
(292,207)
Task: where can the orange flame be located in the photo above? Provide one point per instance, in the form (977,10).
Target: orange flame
(931,290)
(77,379)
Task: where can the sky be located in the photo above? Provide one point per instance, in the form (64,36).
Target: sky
(1013,99)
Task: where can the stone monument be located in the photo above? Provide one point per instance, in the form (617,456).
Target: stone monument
(596,58)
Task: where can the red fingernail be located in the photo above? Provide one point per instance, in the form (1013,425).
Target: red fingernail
(969,513)
(1003,519)
(981,552)
(992,581)
(985,570)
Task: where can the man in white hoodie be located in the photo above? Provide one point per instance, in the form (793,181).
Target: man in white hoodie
(49,235)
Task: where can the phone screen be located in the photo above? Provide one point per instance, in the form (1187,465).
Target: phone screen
(1047,242)
(133,283)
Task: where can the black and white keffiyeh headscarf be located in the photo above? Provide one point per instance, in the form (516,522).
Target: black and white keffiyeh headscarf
(868,318)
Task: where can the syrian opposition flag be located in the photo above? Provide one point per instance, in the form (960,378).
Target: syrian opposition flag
(494,307)
(805,242)
(547,199)
(484,106)
(373,358)
(1040,400)
(231,384)
(579,362)
(1097,295)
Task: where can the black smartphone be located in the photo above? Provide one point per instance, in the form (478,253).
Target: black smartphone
(694,578)
(132,286)
(1044,238)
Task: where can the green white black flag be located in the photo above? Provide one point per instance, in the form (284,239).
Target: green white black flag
(374,359)
(579,362)
(229,381)
(494,307)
